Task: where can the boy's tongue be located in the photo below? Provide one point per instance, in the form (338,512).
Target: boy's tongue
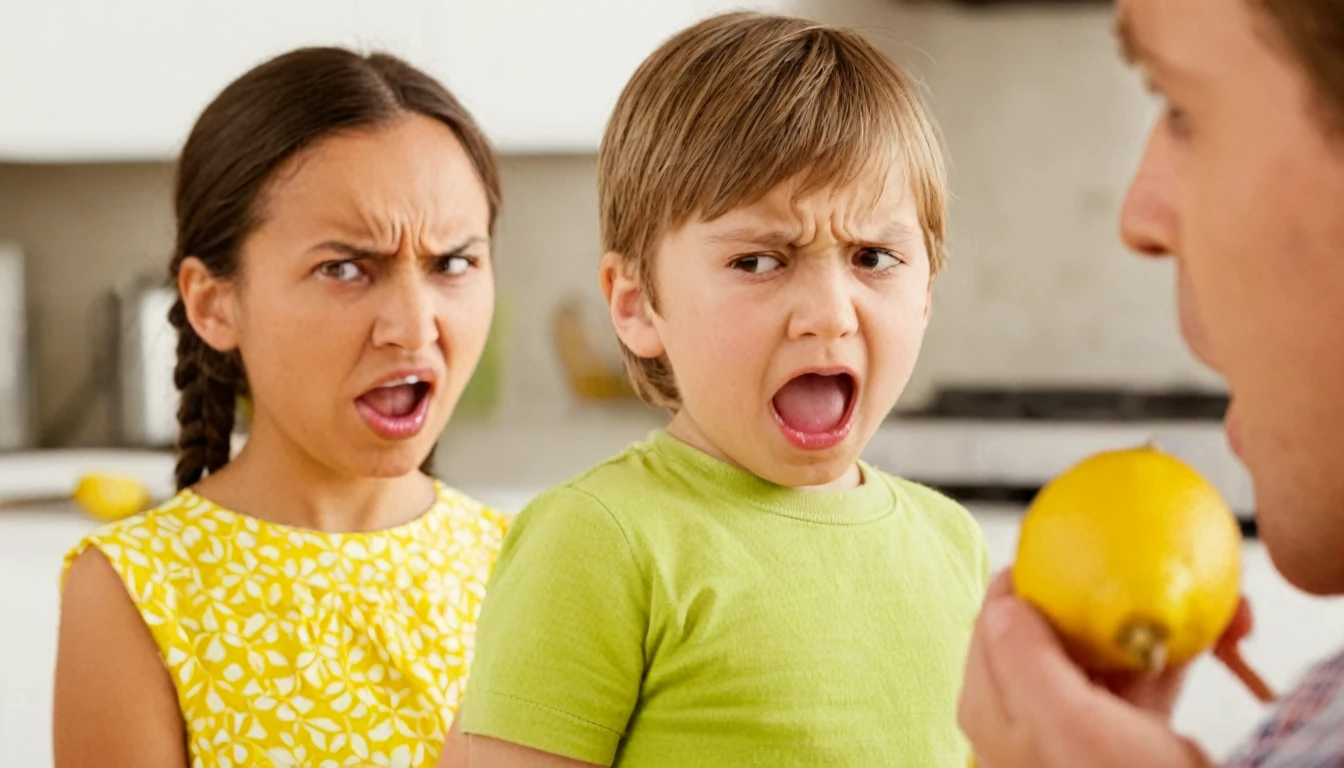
(393,402)
(813,404)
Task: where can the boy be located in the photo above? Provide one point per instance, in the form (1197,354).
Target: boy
(741,589)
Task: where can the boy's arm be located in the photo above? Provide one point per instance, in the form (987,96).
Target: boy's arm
(559,652)
(492,753)
(463,751)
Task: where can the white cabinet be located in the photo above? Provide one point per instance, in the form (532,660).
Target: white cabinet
(543,75)
(32,547)
(91,80)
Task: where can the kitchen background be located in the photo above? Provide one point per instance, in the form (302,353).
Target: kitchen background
(1047,340)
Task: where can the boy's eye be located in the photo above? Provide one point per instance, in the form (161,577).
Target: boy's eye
(342,271)
(454,265)
(877,259)
(757,264)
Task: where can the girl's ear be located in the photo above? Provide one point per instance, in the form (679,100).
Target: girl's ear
(631,311)
(211,304)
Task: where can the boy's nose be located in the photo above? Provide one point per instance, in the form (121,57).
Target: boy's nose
(824,306)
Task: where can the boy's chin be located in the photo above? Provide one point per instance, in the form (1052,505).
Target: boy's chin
(832,471)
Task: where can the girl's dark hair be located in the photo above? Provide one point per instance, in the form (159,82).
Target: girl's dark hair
(258,123)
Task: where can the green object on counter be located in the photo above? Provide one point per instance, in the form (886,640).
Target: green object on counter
(483,392)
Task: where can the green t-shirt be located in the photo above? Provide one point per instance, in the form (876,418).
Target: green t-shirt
(667,609)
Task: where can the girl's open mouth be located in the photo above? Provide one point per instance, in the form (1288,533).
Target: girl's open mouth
(398,409)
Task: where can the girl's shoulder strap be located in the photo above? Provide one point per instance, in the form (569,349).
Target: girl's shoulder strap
(142,545)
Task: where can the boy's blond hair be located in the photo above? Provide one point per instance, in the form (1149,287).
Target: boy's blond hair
(736,105)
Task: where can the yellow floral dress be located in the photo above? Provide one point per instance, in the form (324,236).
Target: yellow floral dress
(291,647)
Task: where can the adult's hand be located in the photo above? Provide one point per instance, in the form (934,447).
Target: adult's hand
(1026,703)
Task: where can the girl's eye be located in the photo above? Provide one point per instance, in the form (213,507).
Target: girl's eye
(455,265)
(342,271)
(877,260)
(757,264)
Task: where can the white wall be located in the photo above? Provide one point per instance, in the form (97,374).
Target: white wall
(1042,152)
(1043,126)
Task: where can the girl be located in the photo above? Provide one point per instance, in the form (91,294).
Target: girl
(311,602)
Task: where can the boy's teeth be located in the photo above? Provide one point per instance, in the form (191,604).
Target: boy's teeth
(401,382)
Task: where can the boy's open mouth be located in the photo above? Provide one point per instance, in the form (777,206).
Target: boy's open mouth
(816,410)
(396,410)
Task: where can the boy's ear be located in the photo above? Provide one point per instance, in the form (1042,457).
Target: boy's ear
(209,301)
(631,312)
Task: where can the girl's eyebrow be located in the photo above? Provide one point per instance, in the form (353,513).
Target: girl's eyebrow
(351,251)
(358,252)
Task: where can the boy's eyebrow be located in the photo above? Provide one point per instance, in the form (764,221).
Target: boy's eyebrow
(753,236)
(890,232)
(894,232)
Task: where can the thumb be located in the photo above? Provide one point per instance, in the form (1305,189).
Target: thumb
(1037,678)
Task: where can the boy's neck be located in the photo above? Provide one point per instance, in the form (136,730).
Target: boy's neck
(684,428)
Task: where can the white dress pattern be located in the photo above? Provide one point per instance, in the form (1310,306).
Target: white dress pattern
(291,647)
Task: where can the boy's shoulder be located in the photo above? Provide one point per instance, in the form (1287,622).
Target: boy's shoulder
(942,513)
(937,505)
(635,472)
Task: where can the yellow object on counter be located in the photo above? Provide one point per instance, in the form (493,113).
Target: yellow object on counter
(1135,559)
(111,497)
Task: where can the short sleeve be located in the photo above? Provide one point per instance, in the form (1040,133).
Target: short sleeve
(560,645)
(960,530)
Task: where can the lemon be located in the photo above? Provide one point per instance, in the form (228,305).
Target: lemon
(1134,558)
(111,497)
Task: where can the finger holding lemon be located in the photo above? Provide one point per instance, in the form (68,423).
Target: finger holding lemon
(1128,567)
(1134,558)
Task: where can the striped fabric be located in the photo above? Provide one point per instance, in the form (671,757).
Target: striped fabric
(1307,728)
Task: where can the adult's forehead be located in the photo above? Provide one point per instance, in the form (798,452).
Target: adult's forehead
(1194,40)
